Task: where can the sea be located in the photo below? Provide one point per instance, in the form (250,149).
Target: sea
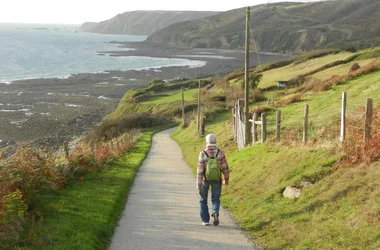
(29,51)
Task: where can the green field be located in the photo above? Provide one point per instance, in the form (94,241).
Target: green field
(175,96)
(340,69)
(286,73)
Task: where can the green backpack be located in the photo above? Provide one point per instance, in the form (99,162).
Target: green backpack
(212,172)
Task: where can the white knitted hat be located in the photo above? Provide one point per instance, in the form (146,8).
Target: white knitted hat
(211,139)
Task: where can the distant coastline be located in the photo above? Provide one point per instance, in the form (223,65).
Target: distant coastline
(58,109)
(34,51)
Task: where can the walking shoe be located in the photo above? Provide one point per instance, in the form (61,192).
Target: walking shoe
(216,218)
(205,223)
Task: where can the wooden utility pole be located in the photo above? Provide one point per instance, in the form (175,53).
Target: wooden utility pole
(183,109)
(199,108)
(343,118)
(246,79)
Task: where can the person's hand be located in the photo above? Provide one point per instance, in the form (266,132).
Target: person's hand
(225,184)
(199,189)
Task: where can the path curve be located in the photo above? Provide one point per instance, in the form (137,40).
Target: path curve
(162,211)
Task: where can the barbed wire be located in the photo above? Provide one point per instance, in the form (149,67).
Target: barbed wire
(356,103)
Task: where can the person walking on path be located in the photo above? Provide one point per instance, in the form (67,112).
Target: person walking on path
(211,163)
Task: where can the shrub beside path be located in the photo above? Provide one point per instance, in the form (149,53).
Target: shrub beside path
(162,211)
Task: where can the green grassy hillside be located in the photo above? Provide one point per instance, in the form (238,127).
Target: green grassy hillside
(283,27)
(341,209)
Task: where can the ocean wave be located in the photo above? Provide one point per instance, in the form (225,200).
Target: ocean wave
(48,103)
(178,62)
(206,56)
(103,97)
(20,105)
(13,110)
(72,105)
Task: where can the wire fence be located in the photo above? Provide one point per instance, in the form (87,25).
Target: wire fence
(353,118)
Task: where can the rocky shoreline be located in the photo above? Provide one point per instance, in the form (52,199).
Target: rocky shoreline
(49,111)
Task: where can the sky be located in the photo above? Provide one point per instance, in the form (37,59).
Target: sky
(80,11)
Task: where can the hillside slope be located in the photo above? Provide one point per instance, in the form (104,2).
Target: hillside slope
(339,206)
(283,27)
(143,22)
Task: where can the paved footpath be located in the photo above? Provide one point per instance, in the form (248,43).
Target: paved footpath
(162,211)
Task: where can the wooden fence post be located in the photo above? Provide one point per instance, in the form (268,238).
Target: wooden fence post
(236,120)
(234,123)
(263,127)
(254,128)
(241,109)
(278,125)
(66,148)
(343,118)
(203,124)
(306,123)
(368,119)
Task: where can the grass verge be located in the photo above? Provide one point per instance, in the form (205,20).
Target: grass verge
(340,210)
(84,214)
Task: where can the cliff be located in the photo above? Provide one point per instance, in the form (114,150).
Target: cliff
(143,22)
(283,27)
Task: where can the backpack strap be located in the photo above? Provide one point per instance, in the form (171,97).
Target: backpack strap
(217,156)
(209,156)
(204,171)
(206,154)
